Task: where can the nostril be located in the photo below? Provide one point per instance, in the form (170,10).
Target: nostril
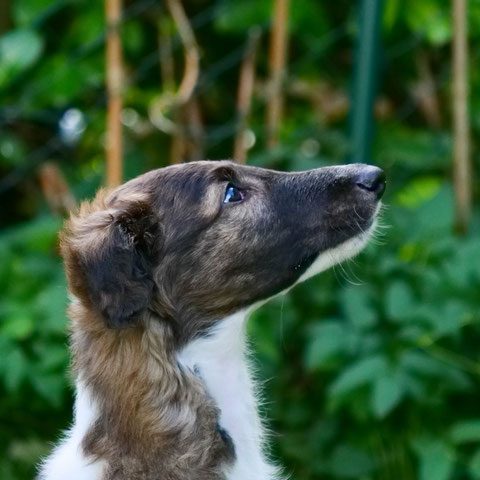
(372,179)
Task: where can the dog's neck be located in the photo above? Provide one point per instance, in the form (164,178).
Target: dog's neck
(134,390)
(221,360)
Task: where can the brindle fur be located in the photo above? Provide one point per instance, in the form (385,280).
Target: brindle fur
(155,264)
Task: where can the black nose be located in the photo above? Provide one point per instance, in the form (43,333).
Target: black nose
(372,179)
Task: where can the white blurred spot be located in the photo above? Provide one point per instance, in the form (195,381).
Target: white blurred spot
(310,147)
(7,148)
(130,117)
(72,125)
(249,139)
(103,140)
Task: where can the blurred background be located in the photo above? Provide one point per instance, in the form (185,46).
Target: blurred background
(370,371)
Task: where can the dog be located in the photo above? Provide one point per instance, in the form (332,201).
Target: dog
(163,273)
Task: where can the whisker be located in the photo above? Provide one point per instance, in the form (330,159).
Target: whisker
(348,263)
(344,274)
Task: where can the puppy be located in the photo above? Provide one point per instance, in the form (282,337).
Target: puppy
(163,273)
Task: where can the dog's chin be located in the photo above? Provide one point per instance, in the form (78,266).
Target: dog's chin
(333,256)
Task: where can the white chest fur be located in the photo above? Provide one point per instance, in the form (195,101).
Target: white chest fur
(68,461)
(221,359)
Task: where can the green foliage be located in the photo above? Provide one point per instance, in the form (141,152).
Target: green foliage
(19,50)
(372,369)
(33,377)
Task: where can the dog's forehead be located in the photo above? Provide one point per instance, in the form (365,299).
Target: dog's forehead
(209,170)
(178,175)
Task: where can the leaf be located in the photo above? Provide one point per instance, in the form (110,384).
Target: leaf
(27,12)
(435,217)
(422,364)
(60,81)
(241,15)
(450,319)
(327,340)
(12,150)
(466,431)
(53,358)
(51,303)
(133,37)
(399,301)
(474,465)
(464,266)
(361,373)
(38,236)
(420,151)
(418,191)
(15,369)
(88,25)
(386,394)
(350,462)
(19,49)
(356,303)
(51,387)
(436,459)
(18,320)
(18,324)
(429,18)
(391,13)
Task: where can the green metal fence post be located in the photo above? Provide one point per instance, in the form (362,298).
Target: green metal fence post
(367,52)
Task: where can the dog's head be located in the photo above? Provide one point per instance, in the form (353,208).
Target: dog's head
(194,243)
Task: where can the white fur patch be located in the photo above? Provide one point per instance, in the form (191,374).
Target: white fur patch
(338,254)
(67,462)
(221,359)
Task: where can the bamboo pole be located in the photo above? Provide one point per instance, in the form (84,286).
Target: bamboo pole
(426,92)
(114,74)
(462,169)
(177,101)
(192,55)
(165,54)
(277,63)
(246,84)
(195,129)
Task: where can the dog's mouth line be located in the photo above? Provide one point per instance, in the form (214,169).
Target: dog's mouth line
(336,254)
(360,229)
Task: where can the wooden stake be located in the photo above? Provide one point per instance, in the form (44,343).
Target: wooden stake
(462,170)
(245,92)
(278,56)
(192,55)
(114,73)
(55,189)
(425,91)
(165,53)
(195,129)
(178,102)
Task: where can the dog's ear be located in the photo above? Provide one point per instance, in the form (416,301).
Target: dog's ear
(110,255)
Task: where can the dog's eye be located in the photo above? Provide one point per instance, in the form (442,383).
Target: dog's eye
(232,194)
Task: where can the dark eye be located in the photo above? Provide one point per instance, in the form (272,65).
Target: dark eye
(232,194)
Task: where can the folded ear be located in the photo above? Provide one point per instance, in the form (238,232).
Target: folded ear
(110,255)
